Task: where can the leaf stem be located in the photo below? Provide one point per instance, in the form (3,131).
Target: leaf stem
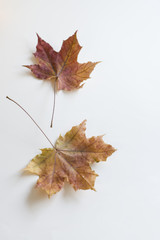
(54,104)
(32,120)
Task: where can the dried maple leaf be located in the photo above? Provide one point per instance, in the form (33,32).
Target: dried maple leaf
(69,161)
(61,66)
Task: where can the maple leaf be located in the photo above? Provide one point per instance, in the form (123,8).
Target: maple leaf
(61,66)
(69,161)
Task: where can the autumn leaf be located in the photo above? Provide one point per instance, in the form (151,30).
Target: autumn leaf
(61,66)
(69,161)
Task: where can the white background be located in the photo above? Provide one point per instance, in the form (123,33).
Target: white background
(120,100)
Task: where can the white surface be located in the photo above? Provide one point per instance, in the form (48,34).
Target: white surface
(121,99)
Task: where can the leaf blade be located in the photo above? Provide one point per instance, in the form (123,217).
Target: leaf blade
(70,161)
